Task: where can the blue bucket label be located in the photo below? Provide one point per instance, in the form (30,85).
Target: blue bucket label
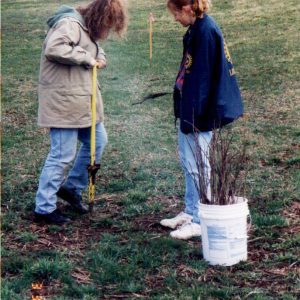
(227,241)
(217,241)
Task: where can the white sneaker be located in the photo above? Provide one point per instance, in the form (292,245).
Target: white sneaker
(186,231)
(180,219)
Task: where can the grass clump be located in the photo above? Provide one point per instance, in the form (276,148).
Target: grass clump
(46,270)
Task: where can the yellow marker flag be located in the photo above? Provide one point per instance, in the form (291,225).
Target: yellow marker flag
(151,20)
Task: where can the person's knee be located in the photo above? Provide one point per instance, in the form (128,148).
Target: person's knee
(63,144)
(105,141)
(102,140)
(101,144)
(64,155)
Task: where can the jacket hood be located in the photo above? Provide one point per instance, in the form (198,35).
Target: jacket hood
(65,11)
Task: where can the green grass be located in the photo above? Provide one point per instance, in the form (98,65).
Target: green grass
(122,252)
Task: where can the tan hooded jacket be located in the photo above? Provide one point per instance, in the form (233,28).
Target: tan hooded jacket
(65,80)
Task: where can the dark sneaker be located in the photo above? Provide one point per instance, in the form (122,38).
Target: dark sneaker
(56,217)
(73,199)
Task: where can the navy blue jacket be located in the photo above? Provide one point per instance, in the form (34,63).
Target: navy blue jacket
(210,96)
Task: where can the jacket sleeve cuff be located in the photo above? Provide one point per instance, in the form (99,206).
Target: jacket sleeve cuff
(93,61)
(101,54)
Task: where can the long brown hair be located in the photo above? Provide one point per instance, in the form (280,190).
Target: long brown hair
(198,6)
(101,16)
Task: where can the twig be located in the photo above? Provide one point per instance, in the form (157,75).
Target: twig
(151,97)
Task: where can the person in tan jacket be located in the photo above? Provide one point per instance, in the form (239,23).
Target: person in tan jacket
(70,50)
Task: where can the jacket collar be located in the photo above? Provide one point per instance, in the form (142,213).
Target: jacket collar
(66,11)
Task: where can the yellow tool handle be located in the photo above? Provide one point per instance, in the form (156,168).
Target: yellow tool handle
(93,134)
(93,109)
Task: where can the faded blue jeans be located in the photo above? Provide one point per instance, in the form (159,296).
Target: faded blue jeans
(62,153)
(187,149)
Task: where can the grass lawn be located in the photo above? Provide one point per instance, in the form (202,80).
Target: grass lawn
(122,252)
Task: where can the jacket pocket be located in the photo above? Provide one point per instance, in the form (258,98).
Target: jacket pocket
(72,110)
(77,108)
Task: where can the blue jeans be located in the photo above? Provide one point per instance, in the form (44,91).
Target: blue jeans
(62,153)
(187,150)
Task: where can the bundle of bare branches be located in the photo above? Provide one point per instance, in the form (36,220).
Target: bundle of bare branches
(221,169)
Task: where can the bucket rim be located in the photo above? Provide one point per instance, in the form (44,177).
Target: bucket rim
(222,212)
(226,205)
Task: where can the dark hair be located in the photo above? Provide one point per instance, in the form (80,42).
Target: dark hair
(103,15)
(198,6)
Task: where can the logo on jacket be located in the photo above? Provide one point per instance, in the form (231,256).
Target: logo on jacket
(188,62)
(228,57)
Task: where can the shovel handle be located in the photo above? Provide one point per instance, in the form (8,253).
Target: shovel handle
(93,113)
(93,139)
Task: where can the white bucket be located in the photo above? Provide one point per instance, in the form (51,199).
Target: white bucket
(224,233)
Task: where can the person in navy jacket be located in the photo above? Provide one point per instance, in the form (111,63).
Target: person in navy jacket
(206,97)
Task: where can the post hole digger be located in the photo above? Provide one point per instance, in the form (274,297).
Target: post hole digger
(93,167)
